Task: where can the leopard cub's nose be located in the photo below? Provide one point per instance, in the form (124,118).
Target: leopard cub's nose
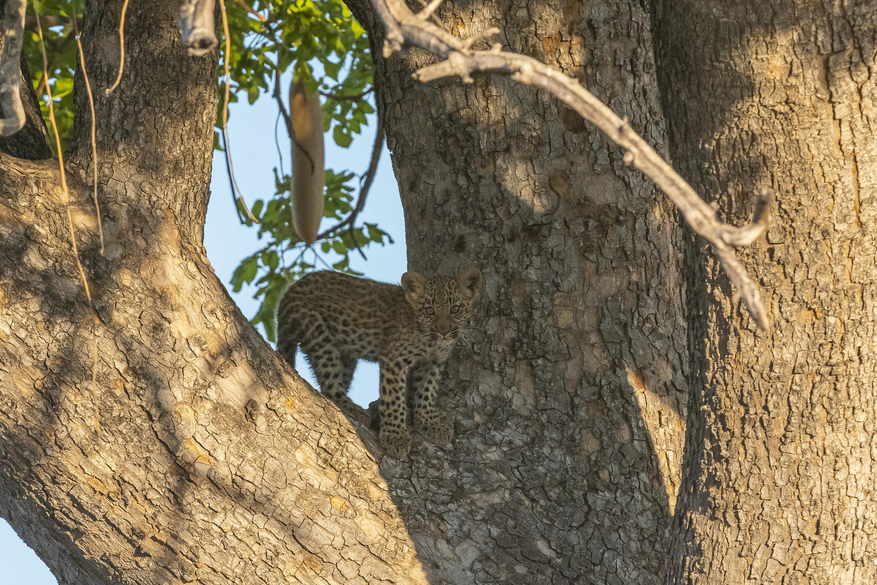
(443,325)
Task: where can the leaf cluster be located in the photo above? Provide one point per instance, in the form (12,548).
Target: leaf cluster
(61,52)
(285,259)
(315,41)
(322,44)
(324,47)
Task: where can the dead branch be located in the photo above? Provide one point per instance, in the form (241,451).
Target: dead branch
(10,69)
(404,28)
(366,184)
(197,26)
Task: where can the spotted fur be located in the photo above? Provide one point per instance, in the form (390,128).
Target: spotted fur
(408,330)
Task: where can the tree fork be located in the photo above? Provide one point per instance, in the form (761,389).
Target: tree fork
(197,456)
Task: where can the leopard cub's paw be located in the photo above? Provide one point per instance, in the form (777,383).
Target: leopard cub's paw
(396,442)
(436,429)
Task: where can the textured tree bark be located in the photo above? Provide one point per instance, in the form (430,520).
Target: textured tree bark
(197,456)
(569,411)
(779,482)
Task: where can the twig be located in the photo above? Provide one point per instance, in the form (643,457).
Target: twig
(363,191)
(286,118)
(121,50)
(10,68)
(100,228)
(30,22)
(226,143)
(428,10)
(249,9)
(196,24)
(404,28)
(277,142)
(429,15)
(344,98)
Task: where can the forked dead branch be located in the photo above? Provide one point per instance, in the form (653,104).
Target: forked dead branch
(406,29)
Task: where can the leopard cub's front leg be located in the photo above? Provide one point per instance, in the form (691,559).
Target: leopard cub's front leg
(428,419)
(393,410)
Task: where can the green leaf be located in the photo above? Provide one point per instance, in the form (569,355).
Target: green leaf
(341,138)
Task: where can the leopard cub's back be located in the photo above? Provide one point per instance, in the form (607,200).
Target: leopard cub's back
(338,308)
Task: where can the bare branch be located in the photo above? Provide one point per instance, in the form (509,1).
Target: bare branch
(49,21)
(743,236)
(488,32)
(429,15)
(249,9)
(404,28)
(236,194)
(345,98)
(429,9)
(363,190)
(196,23)
(288,119)
(10,69)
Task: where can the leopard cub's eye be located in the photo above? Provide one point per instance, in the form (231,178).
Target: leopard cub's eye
(455,309)
(429,311)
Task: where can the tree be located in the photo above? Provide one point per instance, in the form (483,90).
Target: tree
(778,484)
(198,456)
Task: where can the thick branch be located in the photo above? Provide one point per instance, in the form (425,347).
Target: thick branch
(196,23)
(10,75)
(404,28)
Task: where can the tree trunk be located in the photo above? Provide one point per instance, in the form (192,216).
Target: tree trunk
(197,456)
(779,482)
(569,408)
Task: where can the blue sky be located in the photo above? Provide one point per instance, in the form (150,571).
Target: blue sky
(254,155)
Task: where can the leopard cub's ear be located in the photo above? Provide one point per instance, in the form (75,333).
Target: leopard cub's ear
(469,283)
(414,286)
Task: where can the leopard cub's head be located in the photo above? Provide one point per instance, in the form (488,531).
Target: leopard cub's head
(443,304)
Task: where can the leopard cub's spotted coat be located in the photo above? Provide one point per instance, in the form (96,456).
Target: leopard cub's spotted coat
(409,330)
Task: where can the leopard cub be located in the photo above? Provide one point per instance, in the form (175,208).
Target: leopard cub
(408,330)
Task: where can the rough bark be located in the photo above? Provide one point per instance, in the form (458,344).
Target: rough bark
(197,456)
(779,482)
(554,477)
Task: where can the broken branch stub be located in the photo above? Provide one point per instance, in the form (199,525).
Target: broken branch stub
(197,26)
(404,28)
(10,69)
